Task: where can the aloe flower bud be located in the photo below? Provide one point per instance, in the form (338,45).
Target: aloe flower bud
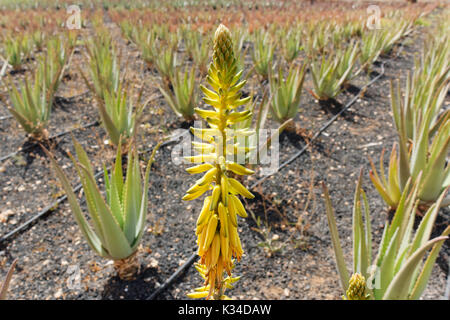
(223,48)
(357,288)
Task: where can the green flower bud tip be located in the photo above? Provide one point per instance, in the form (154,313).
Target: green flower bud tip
(223,47)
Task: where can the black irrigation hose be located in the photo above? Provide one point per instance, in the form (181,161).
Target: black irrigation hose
(191,259)
(50,207)
(12,154)
(60,99)
(172,278)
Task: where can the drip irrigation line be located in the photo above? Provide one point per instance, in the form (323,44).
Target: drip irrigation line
(191,259)
(60,99)
(173,277)
(48,209)
(92,124)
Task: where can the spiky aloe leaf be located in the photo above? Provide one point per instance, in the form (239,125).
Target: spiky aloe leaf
(398,289)
(144,202)
(423,277)
(91,237)
(340,260)
(115,242)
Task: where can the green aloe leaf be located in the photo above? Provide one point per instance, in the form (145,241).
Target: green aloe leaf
(422,280)
(91,237)
(115,241)
(386,273)
(340,260)
(144,203)
(398,289)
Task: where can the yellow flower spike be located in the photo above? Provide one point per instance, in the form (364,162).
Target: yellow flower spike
(234,240)
(201,240)
(200,268)
(203,148)
(201,158)
(199,229)
(224,246)
(196,188)
(200,289)
(196,194)
(205,113)
(217,234)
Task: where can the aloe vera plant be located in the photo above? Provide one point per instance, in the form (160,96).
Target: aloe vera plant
(54,62)
(183,98)
(370,48)
(398,271)
(116,223)
(119,116)
(104,66)
(17,50)
(317,36)
(239,35)
(424,143)
(292,45)
(262,54)
(166,63)
(347,60)
(286,93)
(329,77)
(148,43)
(198,49)
(32,105)
(38,38)
(393,31)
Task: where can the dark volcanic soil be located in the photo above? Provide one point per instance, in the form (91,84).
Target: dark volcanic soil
(300,261)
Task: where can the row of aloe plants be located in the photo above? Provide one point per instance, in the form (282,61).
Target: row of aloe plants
(344,54)
(33,98)
(416,185)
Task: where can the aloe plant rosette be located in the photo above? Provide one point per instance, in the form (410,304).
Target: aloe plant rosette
(117,222)
(399,271)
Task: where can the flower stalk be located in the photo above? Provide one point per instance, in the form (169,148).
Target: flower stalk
(218,240)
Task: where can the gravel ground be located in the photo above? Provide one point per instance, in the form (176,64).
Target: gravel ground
(55,262)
